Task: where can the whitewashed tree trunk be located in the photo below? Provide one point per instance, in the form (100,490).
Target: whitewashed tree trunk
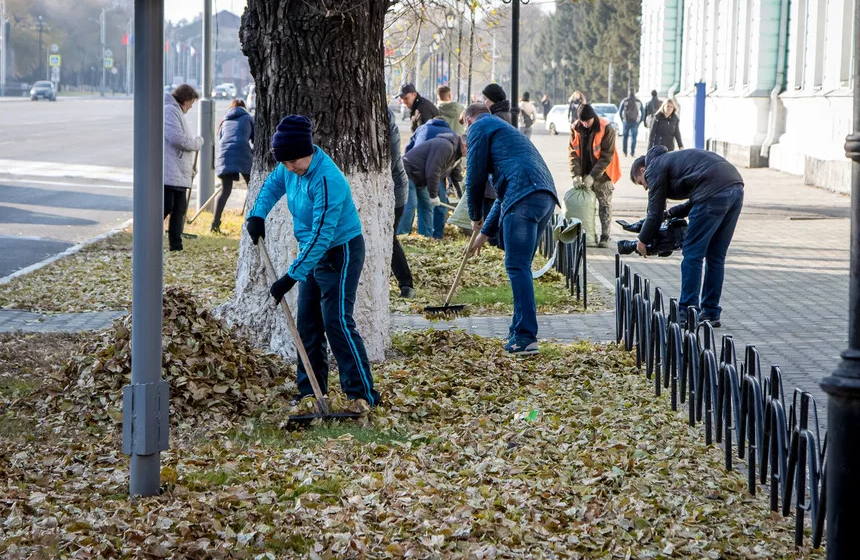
(322,59)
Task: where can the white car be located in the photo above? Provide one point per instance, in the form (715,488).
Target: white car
(556,120)
(608,111)
(251,100)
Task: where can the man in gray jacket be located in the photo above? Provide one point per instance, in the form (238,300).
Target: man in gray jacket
(428,164)
(399,265)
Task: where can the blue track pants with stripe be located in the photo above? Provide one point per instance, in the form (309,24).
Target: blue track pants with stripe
(326,301)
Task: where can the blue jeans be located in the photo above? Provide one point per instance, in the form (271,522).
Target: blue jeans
(431,221)
(632,130)
(326,301)
(408,218)
(521,228)
(711,227)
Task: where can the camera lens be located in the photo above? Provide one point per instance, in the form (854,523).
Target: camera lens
(626,247)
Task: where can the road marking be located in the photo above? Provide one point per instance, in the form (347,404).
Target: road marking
(62,184)
(602,279)
(66,170)
(70,251)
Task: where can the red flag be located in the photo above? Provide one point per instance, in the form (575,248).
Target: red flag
(125,39)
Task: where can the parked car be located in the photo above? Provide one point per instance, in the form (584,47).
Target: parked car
(608,111)
(224,91)
(43,89)
(251,100)
(556,120)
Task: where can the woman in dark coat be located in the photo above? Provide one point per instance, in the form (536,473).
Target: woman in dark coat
(665,130)
(235,134)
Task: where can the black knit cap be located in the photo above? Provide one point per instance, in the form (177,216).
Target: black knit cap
(585,112)
(294,138)
(494,93)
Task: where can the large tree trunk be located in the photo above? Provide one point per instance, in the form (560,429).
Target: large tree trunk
(322,59)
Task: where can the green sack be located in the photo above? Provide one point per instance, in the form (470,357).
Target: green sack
(581,204)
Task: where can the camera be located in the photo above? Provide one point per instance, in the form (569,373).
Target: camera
(670,237)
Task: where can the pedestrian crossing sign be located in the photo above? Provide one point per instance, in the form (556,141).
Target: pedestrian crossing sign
(54,60)
(108,62)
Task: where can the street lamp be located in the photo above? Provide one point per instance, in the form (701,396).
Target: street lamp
(843,386)
(554,65)
(102,17)
(564,63)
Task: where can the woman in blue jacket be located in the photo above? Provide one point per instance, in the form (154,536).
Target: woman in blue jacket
(235,154)
(330,259)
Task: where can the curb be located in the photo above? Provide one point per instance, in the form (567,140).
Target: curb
(68,252)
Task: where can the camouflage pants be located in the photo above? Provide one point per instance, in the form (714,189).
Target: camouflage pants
(603,193)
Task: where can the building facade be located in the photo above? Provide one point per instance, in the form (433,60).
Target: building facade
(778,76)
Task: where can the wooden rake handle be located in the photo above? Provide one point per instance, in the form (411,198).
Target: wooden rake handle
(205,204)
(294,331)
(462,268)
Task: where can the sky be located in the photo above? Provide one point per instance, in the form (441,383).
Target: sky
(175,10)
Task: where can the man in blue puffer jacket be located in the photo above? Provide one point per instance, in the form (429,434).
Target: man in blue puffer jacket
(330,259)
(525,202)
(431,220)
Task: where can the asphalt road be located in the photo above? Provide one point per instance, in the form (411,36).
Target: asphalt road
(41,216)
(90,131)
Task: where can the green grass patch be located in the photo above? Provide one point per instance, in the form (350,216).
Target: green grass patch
(358,433)
(214,478)
(289,543)
(16,428)
(14,387)
(263,434)
(545,296)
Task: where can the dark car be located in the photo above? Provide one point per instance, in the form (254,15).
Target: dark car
(45,90)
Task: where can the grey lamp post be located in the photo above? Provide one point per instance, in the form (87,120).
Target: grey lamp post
(145,401)
(843,386)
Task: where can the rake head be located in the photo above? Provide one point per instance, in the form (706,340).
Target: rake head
(444,311)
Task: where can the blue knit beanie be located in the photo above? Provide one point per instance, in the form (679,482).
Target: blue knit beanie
(293,139)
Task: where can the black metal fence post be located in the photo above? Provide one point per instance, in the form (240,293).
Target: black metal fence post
(843,386)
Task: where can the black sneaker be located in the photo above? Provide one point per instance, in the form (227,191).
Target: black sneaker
(407,292)
(714,322)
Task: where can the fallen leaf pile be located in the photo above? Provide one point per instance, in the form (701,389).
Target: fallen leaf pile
(98,278)
(473,454)
(484,286)
(213,373)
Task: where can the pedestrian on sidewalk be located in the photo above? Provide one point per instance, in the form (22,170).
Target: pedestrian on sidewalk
(576,99)
(594,163)
(546,105)
(714,194)
(651,108)
(665,130)
(449,110)
(399,264)
(529,114)
(632,112)
(179,147)
(526,200)
(430,219)
(328,266)
(421,110)
(496,100)
(235,154)
(427,165)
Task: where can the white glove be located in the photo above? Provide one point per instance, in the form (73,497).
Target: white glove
(577,182)
(434,202)
(588,182)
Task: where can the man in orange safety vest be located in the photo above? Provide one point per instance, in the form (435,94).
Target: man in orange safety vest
(594,162)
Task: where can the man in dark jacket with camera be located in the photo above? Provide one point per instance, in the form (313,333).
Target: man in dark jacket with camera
(714,193)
